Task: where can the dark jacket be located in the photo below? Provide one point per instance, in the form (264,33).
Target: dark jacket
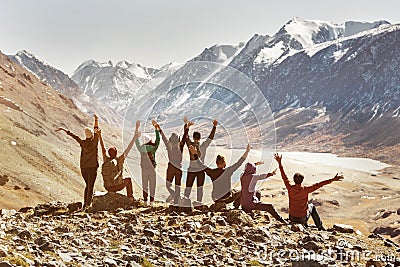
(89,150)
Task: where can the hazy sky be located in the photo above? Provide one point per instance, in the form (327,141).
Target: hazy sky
(154,33)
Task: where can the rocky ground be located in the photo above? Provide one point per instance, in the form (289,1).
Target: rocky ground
(118,233)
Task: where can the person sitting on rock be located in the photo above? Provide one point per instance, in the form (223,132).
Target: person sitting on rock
(174,147)
(250,199)
(113,167)
(89,158)
(299,209)
(221,177)
(148,163)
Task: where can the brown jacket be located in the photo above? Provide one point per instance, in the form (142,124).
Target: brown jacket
(298,195)
(89,150)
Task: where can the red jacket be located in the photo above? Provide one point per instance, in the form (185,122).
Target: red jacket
(298,195)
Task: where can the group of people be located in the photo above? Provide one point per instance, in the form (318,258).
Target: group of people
(221,176)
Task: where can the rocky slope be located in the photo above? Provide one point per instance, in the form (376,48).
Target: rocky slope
(36,163)
(55,234)
(66,86)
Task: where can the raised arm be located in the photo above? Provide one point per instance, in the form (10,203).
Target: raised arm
(140,147)
(103,148)
(185,138)
(283,174)
(164,138)
(240,161)
(214,128)
(321,184)
(68,132)
(157,130)
(129,147)
(206,143)
(96,122)
(186,132)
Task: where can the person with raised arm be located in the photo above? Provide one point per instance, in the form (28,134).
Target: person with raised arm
(196,170)
(299,209)
(174,147)
(251,199)
(148,163)
(221,178)
(89,158)
(113,167)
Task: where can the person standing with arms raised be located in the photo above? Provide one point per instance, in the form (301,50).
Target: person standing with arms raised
(148,163)
(196,170)
(89,158)
(174,147)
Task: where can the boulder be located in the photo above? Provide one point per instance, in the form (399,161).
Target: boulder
(343,228)
(51,208)
(238,217)
(109,201)
(392,231)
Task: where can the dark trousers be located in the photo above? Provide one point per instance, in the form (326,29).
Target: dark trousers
(127,182)
(311,211)
(89,175)
(232,196)
(270,209)
(174,173)
(191,176)
(267,207)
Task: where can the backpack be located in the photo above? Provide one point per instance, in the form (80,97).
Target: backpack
(112,175)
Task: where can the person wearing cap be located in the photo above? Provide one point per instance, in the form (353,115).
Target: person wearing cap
(148,163)
(113,166)
(89,158)
(299,209)
(174,147)
(250,200)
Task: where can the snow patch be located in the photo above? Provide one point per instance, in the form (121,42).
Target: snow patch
(337,55)
(270,54)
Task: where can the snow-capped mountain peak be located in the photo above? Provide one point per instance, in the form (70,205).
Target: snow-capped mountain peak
(310,32)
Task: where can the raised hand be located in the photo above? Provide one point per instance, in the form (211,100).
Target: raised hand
(137,125)
(215,122)
(185,120)
(338,177)
(155,124)
(95,117)
(278,158)
(190,123)
(273,172)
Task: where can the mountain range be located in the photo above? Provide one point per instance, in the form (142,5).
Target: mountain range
(318,77)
